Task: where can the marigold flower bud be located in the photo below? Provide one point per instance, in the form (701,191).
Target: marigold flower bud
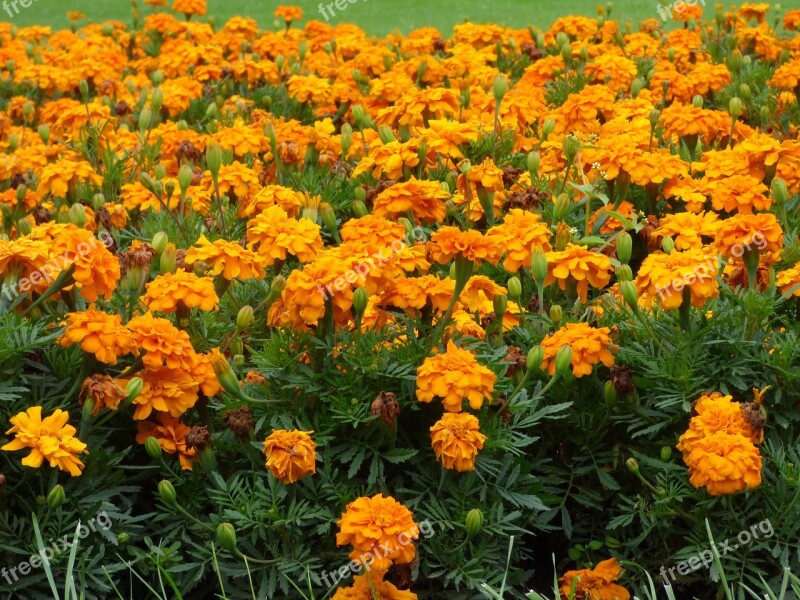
(152,447)
(698,101)
(123,538)
(561,39)
(633,465)
(214,158)
(134,387)
(534,161)
(630,294)
(167,491)
(159,242)
(226,536)
(500,304)
(360,209)
(44,133)
(780,190)
(561,207)
(666,453)
(624,273)
(24,226)
(360,301)
(563,236)
(77,215)
(386,134)
(535,358)
(145,118)
(465,167)
(655,117)
(571,146)
(474,522)
(548,127)
(168,262)
(735,107)
(83,87)
(624,247)
(245,318)
(500,88)
(735,61)
(538,265)
(668,245)
(157,99)
(563,359)
(56,496)
(556,314)
(637,85)
(514,287)
(98,200)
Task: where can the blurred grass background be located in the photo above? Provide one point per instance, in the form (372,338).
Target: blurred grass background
(378,17)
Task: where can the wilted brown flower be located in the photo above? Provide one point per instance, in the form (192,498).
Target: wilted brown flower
(622,378)
(104,391)
(239,421)
(386,407)
(198,438)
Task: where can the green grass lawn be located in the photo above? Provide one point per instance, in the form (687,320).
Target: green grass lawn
(378,17)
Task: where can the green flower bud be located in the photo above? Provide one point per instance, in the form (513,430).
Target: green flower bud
(474,522)
(633,465)
(226,536)
(153,448)
(514,287)
(123,538)
(214,158)
(735,61)
(566,53)
(98,200)
(44,133)
(535,358)
(556,314)
(145,118)
(83,87)
(561,208)
(571,146)
(500,88)
(563,359)
(160,171)
(624,273)
(698,101)
(624,247)
(637,85)
(666,453)
(539,265)
(157,99)
(780,190)
(159,242)
(655,117)
(24,226)
(134,387)
(77,215)
(237,346)
(386,134)
(185,177)
(610,393)
(168,262)
(735,107)
(56,497)
(668,245)
(744,91)
(534,161)
(245,318)
(277,284)
(548,128)
(561,39)
(500,304)
(630,294)
(360,301)
(157,77)
(167,491)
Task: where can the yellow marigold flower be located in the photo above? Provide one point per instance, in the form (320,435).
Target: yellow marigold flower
(23,257)
(289,200)
(413,293)
(723,463)
(373,233)
(169,291)
(388,161)
(167,390)
(291,455)
(485,176)
(595,584)
(456,439)
(307,289)
(228,259)
(789,281)
(170,433)
(453,376)
(741,233)
(739,193)
(589,346)
(162,343)
(518,234)
(104,391)
(424,199)
(190,7)
(449,242)
(663,277)
(478,291)
(56,178)
(372,523)
(579,265)
(688,228)
(96,272)
(100,334)
(371,585)
(274,235)
(49,439)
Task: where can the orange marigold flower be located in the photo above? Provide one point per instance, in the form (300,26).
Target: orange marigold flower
(485,176)
(723,463)
(741,233)
(49,439)
(104,391)
(190,7)
(168,390)
(228,259)
(371,585)
(449,242)
(712,413)
(370,523)
(169,291)
(291,455)
(307,289)
(666,276)
(424,199)
(96,272)
(739,193)
(163,343)
(595,584)
(56,178)
(589,346)
(518,234)
(789,281)
(576,265)
(456,439)
(170,432)
(289,13)
(688,228)
(22,258)
(100,334)
(273,234)
(454,375)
